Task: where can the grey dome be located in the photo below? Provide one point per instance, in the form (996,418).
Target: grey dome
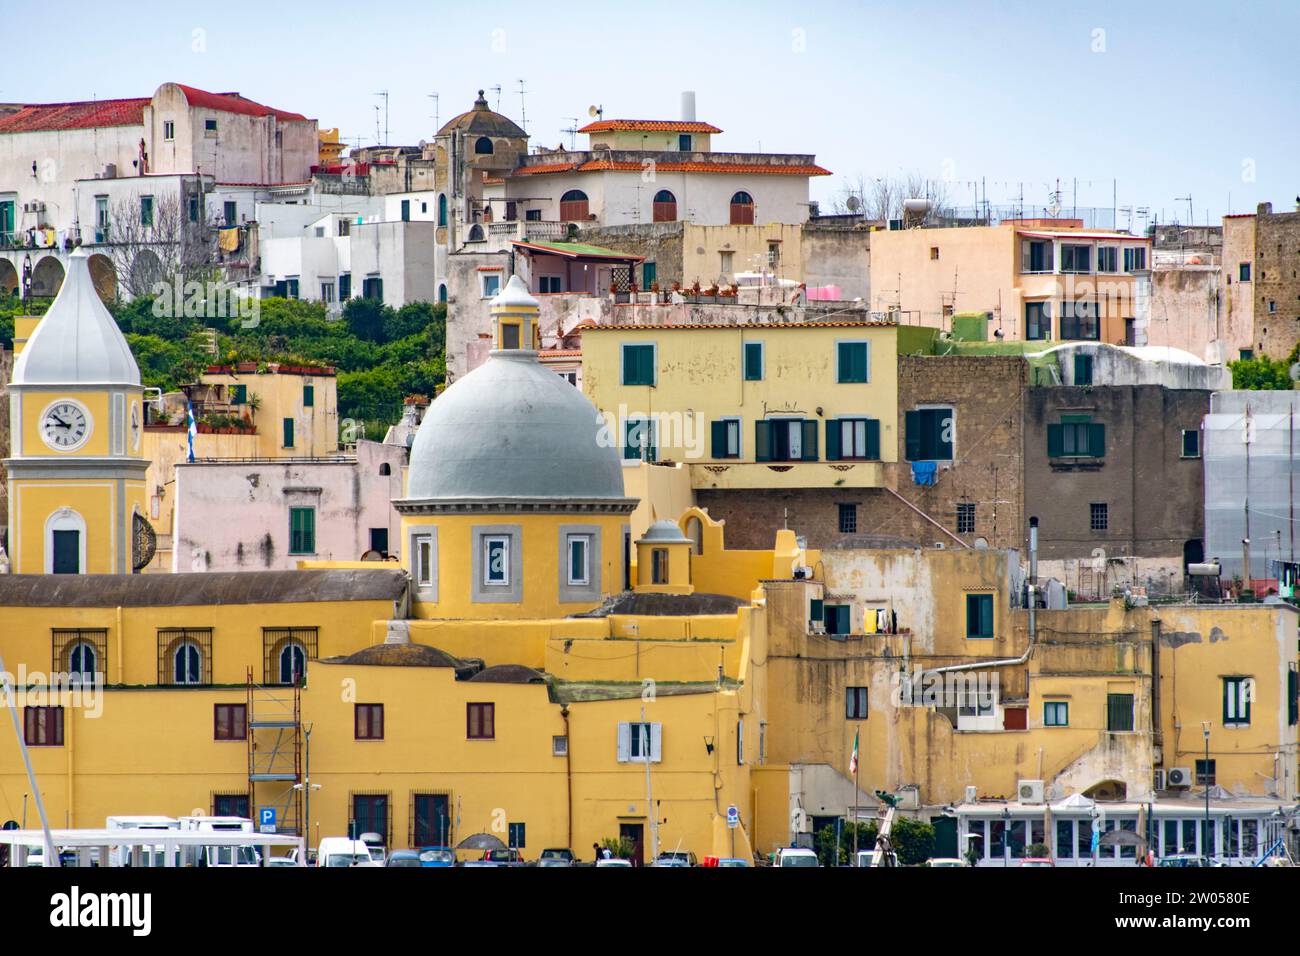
(77,341)
(665,532)
(512,429)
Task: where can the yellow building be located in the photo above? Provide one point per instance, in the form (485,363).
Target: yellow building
(76,468)
(1039,279)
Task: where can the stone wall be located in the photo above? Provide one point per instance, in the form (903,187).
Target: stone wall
(1277,282)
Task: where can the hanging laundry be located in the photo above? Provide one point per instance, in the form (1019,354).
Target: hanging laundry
(924,472)
(228,239)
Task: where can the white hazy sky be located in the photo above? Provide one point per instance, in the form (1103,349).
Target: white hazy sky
(1166,99)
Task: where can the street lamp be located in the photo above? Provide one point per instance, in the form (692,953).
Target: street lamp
(1206,836)
(1006,837)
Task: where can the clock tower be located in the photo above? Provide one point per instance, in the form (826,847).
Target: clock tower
(77,471)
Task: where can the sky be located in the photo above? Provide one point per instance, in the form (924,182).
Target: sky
(1113,103)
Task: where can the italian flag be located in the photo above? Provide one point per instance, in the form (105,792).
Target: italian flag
(853,760)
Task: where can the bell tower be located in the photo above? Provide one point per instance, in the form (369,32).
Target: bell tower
(76,472)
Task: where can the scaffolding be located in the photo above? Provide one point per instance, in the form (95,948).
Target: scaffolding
(1250,451)
(275,772)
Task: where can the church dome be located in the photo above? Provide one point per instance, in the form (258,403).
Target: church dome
(77,342)
(481,121)
(512,429)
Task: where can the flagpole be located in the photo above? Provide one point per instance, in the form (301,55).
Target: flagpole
(856,761)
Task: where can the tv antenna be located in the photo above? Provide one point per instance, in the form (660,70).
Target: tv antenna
(436,124)
(523,113)
(572,130)
(1187,199)
(384,95)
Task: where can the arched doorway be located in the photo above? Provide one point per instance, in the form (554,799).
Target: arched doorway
(47,277)
(8,279)
(104,275)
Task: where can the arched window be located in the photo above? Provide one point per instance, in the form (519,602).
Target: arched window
(385,469)
(573,206)
(483,146)
(293,664)
(475,233)
(695,531)
(442,209)
(442,292)
(665,208)
(81,662)
(187,664)
(742,209)
(65,543)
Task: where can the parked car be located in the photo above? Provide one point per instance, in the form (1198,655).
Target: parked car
(1037,861)
(340,851)
(733,861)
(554,861)
(510,857)
(437,856)
(946,861)
(676,858)
(796,856)
(279,861)
(375,844)
(403,858)
(614,861)
(557,853)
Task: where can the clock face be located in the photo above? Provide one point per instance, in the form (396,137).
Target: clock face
(65,426)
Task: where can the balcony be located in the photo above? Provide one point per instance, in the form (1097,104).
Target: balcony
(725,475)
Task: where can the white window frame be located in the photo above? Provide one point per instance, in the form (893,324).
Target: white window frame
(65,519)
(740,741)
(198,653)
(488,541)
(622,363)
(1105,250)
(652,734)
(740,435)
(1183,445)
(169,130)
(584,540)
(855,420)
(483,284)
(424,568)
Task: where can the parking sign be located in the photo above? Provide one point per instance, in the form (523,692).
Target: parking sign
(266,819)
(733,817)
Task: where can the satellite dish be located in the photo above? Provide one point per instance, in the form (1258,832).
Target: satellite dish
(423,143)
(853,204)
(593,110)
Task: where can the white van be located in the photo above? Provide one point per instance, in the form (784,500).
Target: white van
(796,856)
(341,851)
(145,854)
(219,855)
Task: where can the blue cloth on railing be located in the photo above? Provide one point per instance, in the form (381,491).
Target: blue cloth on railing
(924,472)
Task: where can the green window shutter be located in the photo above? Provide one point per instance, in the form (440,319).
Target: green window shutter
(809,440)
(308,396)
(239,395)
(288,433)
(833,439)
(1097,440)
(943,428)
(719,439)
(1227,692)
(762,441)
(1293,697)
(873,439)
(986,615)
(753,361)
(1055,441)
(852,362)
(638,364)
(815,612)
(912,438)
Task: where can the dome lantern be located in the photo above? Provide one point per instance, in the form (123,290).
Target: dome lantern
(514,316)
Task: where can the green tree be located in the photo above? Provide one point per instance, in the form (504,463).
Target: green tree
(824,842)
(913,840)
(1262,373)
(367,319)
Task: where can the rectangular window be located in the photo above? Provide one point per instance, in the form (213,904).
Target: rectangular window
(1108,259)
(853,439)
(239,395)
(753,361)
(43,726)
(838,618)
(1038,321)
(1205,773)
(345,286)
(209,125)
(302,530)
(424,560)
(1119,713)
(965,517)
(308,396)
(169,130)
(1099,516)
(639,440)
(726,438)
(640,742)
(515,835)
(855,703)
(659,566)
(684,142)
(1135,259)
(638,364)
(1079,321)
(230,805)
(548,285)
(146,210)
(491,284)
(929,434)
(934,252)
(1076,437)
(194,208)
(853,365)
(1035,255)
(229,721)
(291,287)
(1083,370)
(379,540)
(369,815)
(496,560)
(785,439)
(725,262)
(1076,258)
(1237,694)
(579,558)
(979,615)
(1056,713)
(1243,272)
(480,721)
(368,723)
(559,745)
(510,335)
(288,433)
(1191,443)
(231,212)
(848,519)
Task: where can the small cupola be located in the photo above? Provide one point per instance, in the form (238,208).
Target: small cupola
(514,317)
(663,560)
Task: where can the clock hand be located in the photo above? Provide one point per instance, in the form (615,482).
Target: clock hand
(60,422)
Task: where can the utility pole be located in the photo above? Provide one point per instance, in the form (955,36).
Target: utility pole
(650,810)
(436,124)
(11,704)
(1247,438)
(384,95)
(523,112)
(1207,837)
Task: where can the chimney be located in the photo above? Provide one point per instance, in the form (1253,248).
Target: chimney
(688,106)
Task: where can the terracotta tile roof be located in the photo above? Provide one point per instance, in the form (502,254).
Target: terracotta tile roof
(48,117)
(649,126)
(559,353)
(234,103)
(747,169)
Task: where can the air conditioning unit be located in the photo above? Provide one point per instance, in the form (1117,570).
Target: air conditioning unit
(1158,781)
(1178,777)
(1030,791)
